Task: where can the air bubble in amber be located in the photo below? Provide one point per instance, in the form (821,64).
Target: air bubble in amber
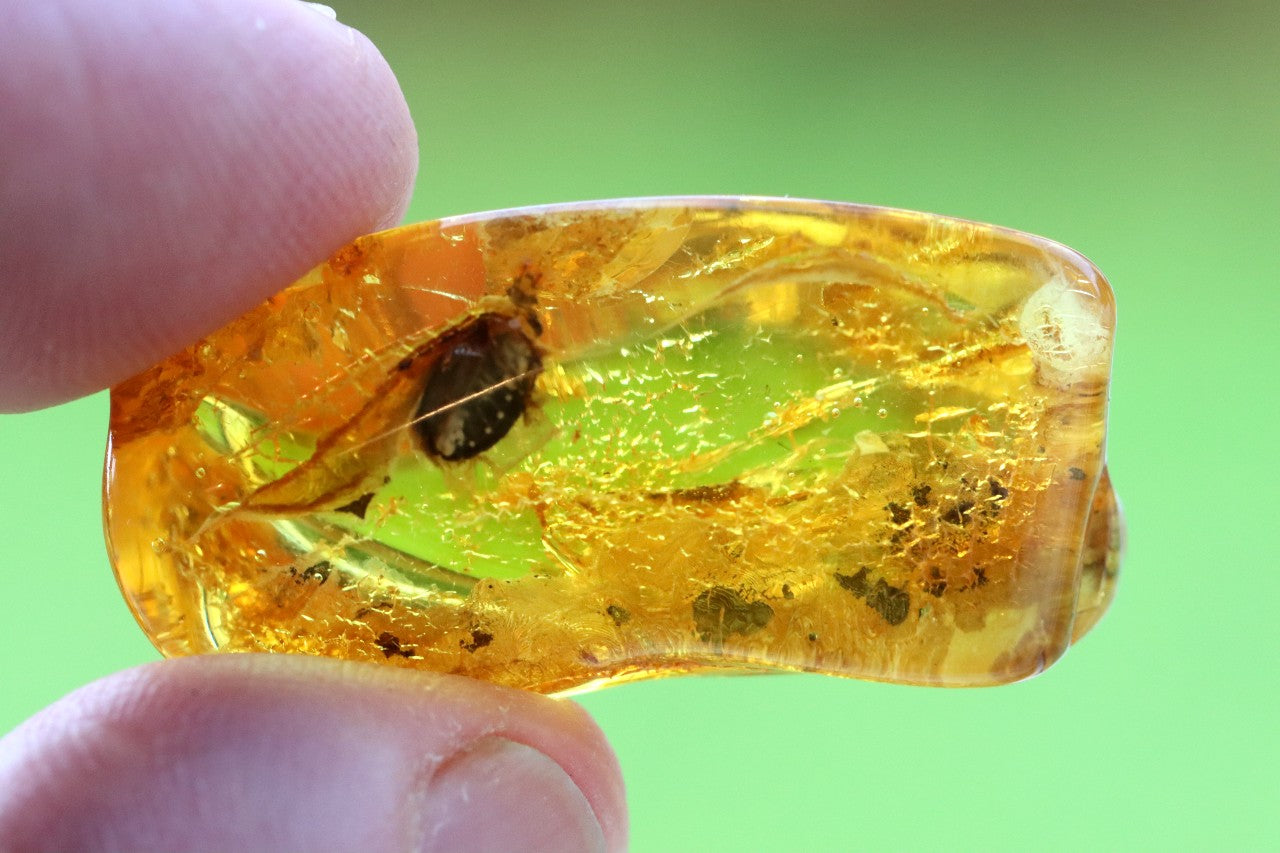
(568,446)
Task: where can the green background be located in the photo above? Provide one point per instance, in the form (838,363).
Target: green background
(1144,136)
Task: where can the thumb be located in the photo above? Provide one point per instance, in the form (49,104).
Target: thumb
(291,753)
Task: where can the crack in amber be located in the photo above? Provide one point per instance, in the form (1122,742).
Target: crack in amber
(569,446)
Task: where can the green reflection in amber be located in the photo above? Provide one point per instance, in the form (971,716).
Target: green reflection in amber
(699,405)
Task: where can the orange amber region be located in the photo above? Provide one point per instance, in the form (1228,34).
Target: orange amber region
(563,447)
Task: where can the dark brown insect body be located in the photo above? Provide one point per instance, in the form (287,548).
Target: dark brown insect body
(479,388)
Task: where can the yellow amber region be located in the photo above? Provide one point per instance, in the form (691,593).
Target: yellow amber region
(568,446)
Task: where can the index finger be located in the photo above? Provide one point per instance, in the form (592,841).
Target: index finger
(167,164)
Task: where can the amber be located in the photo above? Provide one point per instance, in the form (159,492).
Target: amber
(569,446)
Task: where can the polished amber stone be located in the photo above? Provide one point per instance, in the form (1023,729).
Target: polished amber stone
(568,446)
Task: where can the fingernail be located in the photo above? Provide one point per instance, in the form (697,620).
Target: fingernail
(323,10)
(499,795)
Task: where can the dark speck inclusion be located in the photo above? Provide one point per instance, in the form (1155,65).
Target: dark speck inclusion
(719,613)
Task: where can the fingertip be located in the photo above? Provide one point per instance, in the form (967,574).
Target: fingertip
(499,795)
(168,164)
(306,754)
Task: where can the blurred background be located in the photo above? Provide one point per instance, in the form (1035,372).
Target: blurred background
(1147,136)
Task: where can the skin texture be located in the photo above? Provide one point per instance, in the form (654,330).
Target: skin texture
(168,165)
(165,165)
(276,753)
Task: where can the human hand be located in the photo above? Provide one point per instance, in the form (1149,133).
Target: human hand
(164,166)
